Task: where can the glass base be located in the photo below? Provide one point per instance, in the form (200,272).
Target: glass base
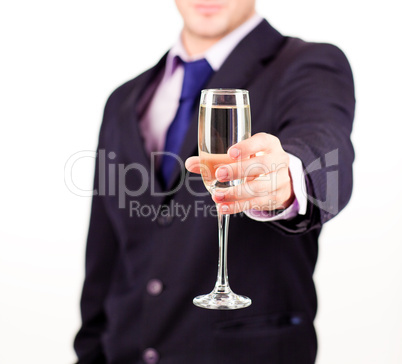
(222,301)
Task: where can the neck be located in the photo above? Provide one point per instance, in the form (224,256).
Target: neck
(196,44)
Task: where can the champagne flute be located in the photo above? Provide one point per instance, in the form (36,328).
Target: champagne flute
(224,120)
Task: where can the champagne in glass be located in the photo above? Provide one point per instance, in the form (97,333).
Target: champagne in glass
(224,120)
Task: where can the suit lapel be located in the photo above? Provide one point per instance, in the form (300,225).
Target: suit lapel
(240,68)
(131,113)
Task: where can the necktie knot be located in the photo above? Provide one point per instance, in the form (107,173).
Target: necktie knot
(196,74)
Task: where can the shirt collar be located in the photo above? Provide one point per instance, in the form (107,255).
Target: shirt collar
(215,55)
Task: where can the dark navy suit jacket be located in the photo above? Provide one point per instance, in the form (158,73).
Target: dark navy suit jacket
(301,92)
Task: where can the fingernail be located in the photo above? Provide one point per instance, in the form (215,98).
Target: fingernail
(225,209)
(219,196)
(222,173)
(234,152)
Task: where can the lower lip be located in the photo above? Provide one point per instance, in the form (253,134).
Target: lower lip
(207,9)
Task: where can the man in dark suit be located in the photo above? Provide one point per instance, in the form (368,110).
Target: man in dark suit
(152,241)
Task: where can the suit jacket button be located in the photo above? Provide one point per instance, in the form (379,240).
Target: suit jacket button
(150,356)
(296,320)
(165,218)
(154,287)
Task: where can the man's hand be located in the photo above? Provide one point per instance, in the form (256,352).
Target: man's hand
(263,164)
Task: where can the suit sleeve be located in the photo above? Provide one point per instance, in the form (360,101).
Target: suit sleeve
(314,111)
(101,252)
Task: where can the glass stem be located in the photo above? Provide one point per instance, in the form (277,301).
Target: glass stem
(222,282)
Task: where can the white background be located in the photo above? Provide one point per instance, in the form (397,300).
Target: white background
(61,59)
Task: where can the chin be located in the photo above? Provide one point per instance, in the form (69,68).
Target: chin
(211,29)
